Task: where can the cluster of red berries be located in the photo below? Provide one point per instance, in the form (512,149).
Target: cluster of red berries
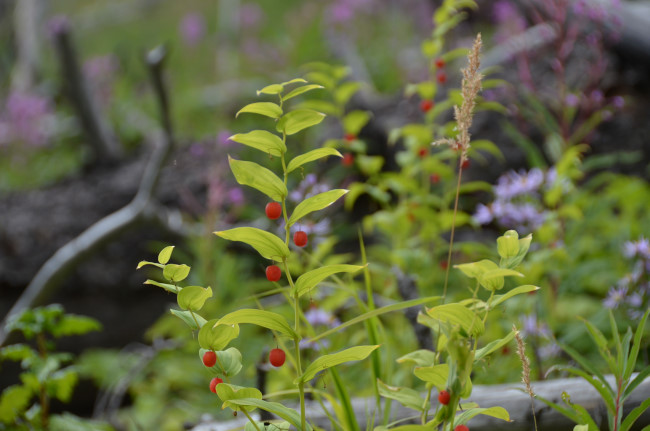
(274,211)
(441,77)
(209,360)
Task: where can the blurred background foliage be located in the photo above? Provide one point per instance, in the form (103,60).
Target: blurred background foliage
(588,217)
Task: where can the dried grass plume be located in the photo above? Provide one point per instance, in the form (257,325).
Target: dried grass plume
(470,87)
(525,373)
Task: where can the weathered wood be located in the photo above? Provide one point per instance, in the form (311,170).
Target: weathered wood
(51,274)
(99,135)
(510,396)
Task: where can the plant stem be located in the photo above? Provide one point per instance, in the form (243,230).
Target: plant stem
(250,419)
(453,227)
(44,400)
(296,312)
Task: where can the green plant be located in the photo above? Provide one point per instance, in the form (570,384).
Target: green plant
(47,375)
(621,363)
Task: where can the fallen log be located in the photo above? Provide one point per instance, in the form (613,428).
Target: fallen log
(510,396)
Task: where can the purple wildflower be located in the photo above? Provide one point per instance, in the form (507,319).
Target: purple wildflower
(572,100)
(615,297)
(236,196)
(222,139)
(618,102)
(251,15)
(319,317)
(192,28)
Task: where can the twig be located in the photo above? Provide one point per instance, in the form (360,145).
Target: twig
(98,133)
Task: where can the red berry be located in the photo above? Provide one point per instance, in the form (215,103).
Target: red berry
(348,159)
(441,77)
(440,63)
(426,105)
(300,238)
(273,273)
(444,397)
(273,210)
(350,137)
(214,383)
(209,358)
(461,428)
(435,178)
(277,357)
(444,265)
(465,164)
(422,152)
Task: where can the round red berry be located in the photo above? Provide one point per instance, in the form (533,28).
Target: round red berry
(444,265)
(300,238)
(435,178)
(444,397)
(214,383)
(273,273)
(273,210)
(209,358)
(465,164)
(440,63)
(426,105)
(350,137)
(422,152)
(348,159)
(441,77)
(277,357)
(461,428)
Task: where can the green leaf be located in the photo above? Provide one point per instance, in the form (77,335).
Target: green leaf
(266,244)
(186,317)
(584,427)
(144,262)
(213,336)
(310,156)
(498,299)
(636,346)
(267,109)
(176,273)
(72,324)
(61,384)
(321,106)
(405,396)
(16,352)
(493,346)
(345,91)
(277,409)
(327,361)
(165,254)
(315,203)
(168,287)
(636,382)
(262,140)
(258,177)
(354,121)
(271,89)
(229,362)
(297,120)
(459,315)
(604,389)
(495,412)
(294,81)
(421,358)
(513,262)
(635,414)
(508,244)
(309,280)
(193,297)
(299,90)
(437,375)
(376,312)
(13,403)
(229,394)
(263,318)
